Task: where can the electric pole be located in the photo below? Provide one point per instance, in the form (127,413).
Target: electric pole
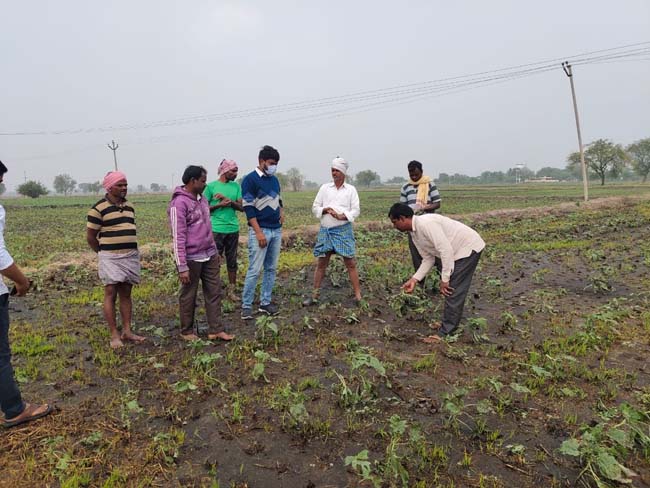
(113,147)
(585,184)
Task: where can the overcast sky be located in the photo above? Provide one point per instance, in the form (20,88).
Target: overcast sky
(71,65)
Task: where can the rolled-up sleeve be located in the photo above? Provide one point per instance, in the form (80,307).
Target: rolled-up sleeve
(355,208)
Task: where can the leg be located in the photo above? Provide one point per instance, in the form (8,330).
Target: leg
(460,281)
(10,400)
(351,264)
(230,250)
(110,296)
(319,273)
(126,311)
(187,300)
(274,239)
(256,256)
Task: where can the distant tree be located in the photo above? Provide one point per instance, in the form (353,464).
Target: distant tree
(32,189)
(163,188)
(640,155)
(555,173)
(283,179)
(310,184)
(524,174)
(64,183)
(95,187)
(155,187)
(396,180)
(3,188)
(603,157)
(367,178)
(295,178)
(140,189)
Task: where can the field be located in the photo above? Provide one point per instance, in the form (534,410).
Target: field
(546,385)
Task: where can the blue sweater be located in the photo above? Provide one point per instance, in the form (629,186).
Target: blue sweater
(261,199)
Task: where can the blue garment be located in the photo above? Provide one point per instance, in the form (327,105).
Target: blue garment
(338,239)
(261,199)
(10,400)
(261,258)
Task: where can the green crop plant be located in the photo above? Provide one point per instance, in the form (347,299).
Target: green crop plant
(259,368)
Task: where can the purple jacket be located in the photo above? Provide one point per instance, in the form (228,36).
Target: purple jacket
(189,219)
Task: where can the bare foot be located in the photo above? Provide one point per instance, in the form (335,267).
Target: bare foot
(116,343)
(190,337)
(130,336)
(433,339)
(221,335)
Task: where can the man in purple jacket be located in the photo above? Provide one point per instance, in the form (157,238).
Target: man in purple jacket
(195,254)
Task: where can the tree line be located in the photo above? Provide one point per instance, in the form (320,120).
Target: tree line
(604,159)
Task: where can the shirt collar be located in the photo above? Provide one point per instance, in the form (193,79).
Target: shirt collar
(259,172)
(414,224)
(333,185)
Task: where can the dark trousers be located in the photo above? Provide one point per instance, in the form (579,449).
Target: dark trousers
(227,247)
(460,281)
(208,274)
(417,259)
(10,400)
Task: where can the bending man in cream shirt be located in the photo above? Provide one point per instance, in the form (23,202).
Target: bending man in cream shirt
(459,248)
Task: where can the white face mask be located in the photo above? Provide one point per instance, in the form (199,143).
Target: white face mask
(270,170)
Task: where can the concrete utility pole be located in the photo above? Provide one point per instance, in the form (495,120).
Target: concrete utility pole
(585,184)
(113,147)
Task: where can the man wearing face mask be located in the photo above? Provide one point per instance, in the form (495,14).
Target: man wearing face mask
(263,207)
(224,198)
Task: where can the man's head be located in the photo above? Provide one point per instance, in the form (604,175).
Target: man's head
(115,184)
(228,170)
(401,216)
(3,170)
(194,179)
(268,159)
(339,170)
(415,170)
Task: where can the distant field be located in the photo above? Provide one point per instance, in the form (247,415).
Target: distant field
(37,228)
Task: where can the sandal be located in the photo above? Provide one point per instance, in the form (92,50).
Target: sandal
(224,336)
(29,414)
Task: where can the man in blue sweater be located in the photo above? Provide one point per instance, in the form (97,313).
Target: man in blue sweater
(263,207)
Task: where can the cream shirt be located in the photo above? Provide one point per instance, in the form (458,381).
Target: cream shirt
(438,236)
(343,200)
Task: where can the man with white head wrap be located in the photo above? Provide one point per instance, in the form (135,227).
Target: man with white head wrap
(337,206)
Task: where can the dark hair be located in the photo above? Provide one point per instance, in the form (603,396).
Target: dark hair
(415,165)
(193,172)
(269,152)
(400,210)
(3,168)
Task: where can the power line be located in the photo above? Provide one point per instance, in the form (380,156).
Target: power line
(376,94)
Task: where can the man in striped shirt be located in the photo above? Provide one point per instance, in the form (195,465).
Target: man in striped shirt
(421,194)
(111,233)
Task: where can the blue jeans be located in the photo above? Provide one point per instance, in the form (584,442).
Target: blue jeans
(258,258)
(10,400)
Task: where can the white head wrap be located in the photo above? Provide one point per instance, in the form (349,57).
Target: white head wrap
(340,164)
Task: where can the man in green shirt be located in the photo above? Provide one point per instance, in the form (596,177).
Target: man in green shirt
(224,198)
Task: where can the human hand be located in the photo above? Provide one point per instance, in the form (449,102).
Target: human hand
(21,288)
(445,289)
(409,286)
(184,276)
(261,239)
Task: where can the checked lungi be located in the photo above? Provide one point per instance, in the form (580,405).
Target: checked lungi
(339,240)
(119,267)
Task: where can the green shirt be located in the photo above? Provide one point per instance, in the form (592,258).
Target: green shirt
(224,220)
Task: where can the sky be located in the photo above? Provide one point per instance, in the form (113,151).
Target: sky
(101,71)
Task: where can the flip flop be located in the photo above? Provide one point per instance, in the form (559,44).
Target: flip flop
(29,409)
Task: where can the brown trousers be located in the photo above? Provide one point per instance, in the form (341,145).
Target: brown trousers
(208,274)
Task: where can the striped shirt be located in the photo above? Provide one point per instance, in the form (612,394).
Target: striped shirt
(116,226)
(409,193)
